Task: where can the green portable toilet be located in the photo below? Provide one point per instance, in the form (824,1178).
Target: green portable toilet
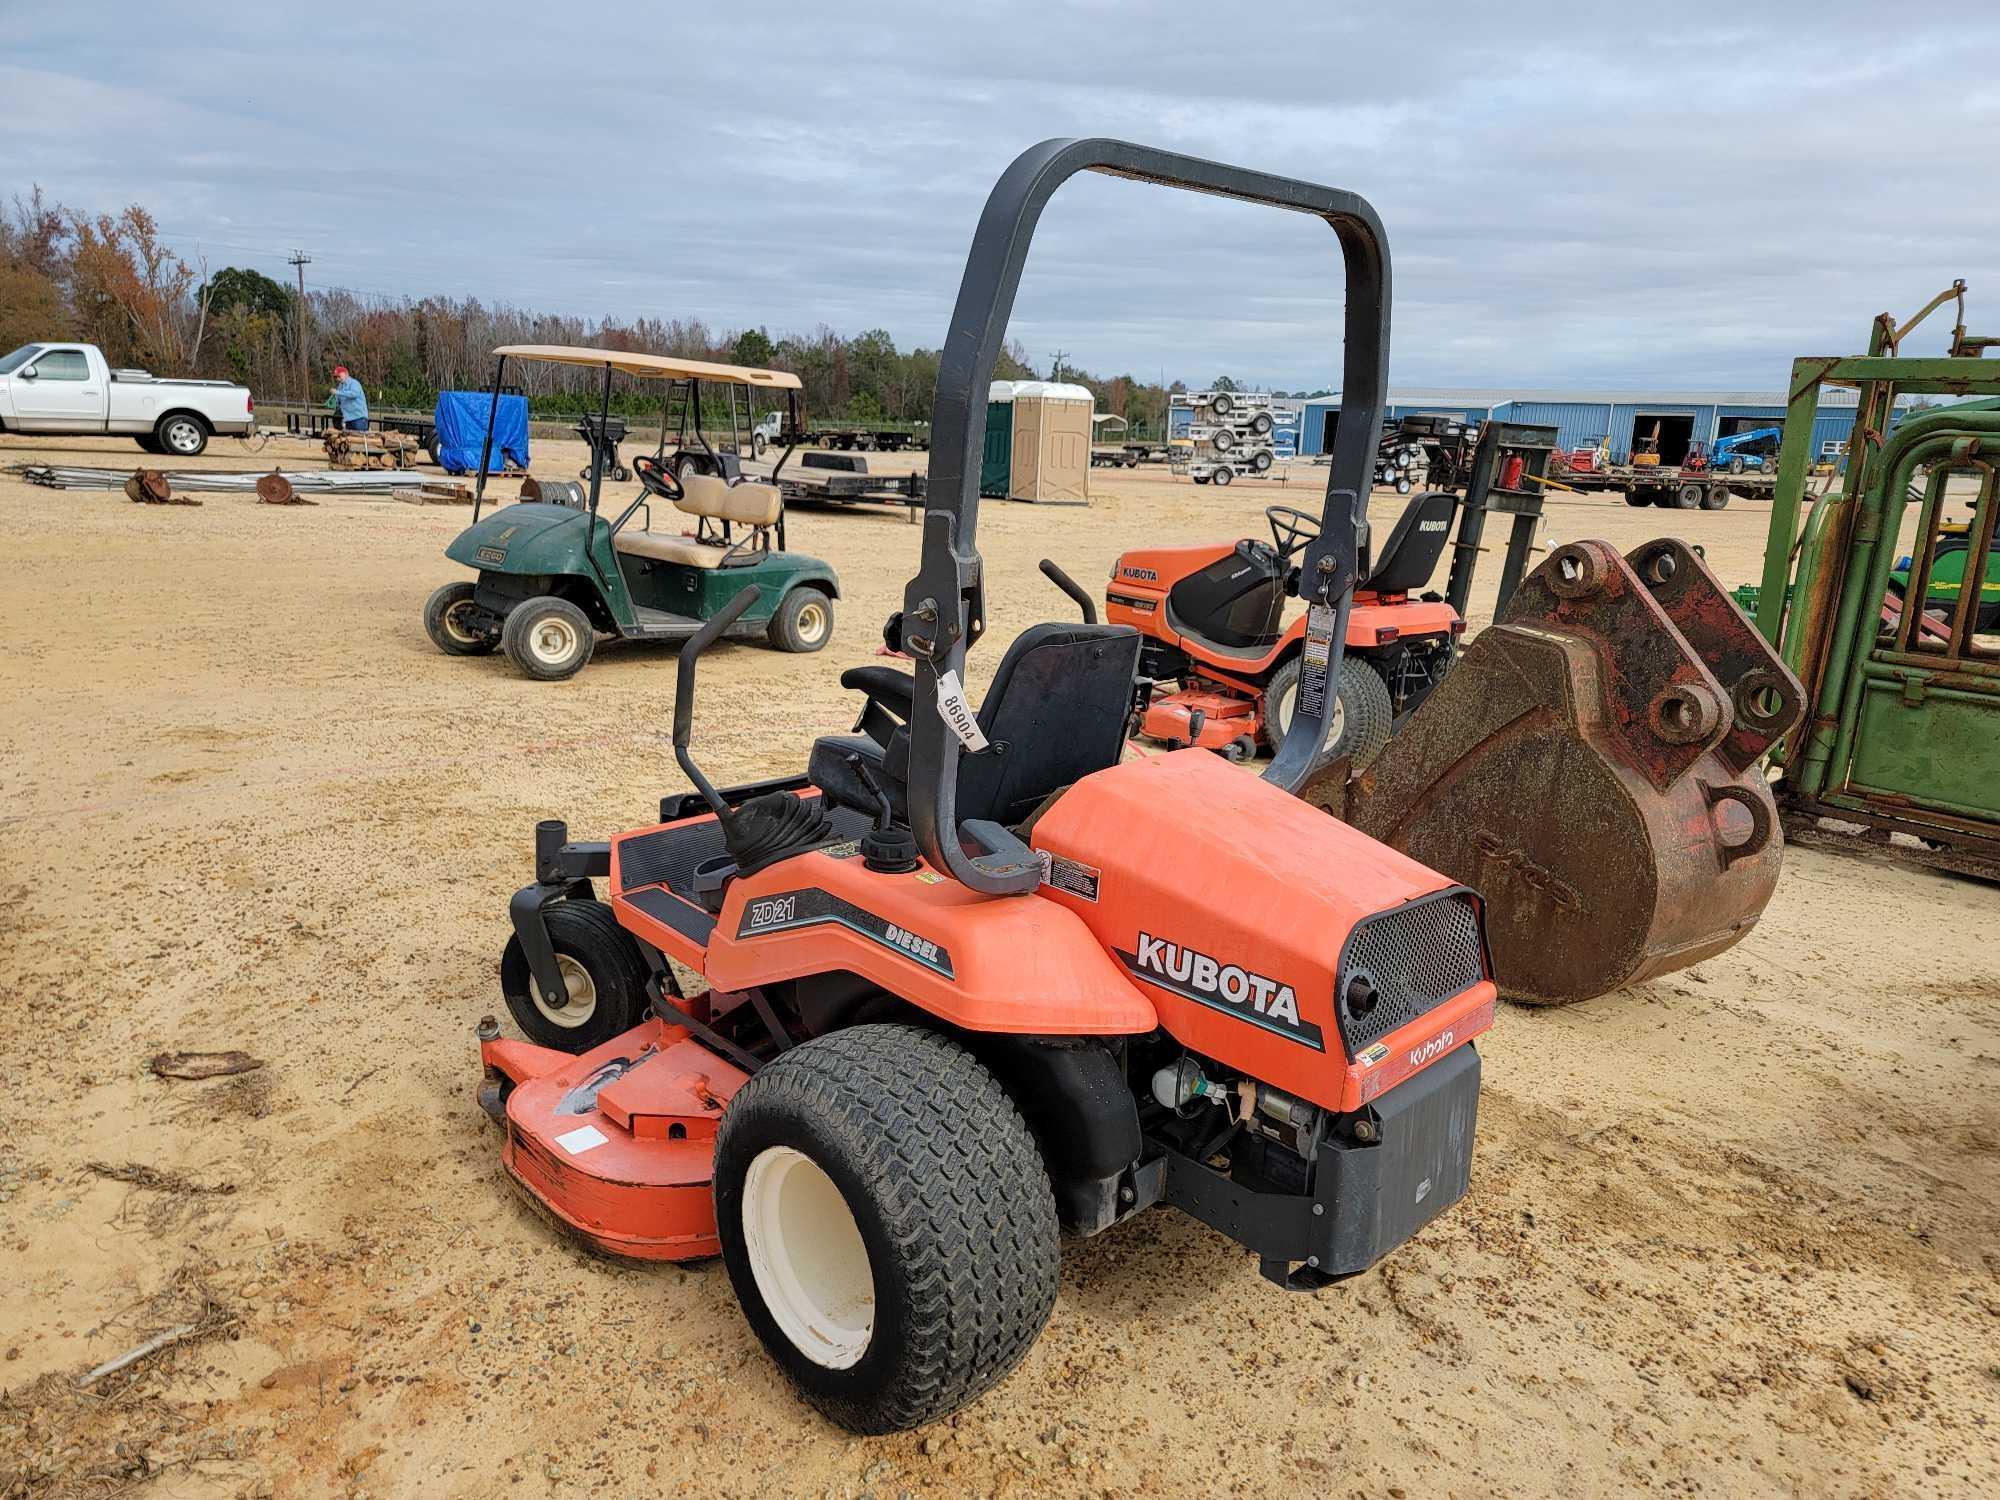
(996,459)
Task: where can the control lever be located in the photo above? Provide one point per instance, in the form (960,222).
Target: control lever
(1069,586)
(699,642)
(885,848)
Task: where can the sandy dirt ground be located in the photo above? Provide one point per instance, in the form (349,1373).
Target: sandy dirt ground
(1732,1232)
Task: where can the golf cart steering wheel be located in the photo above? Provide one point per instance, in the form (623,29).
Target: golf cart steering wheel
(1290,529)
(657,477)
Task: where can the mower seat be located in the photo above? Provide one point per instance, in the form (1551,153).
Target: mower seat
(1410,555)
(1055,713)
(707,498)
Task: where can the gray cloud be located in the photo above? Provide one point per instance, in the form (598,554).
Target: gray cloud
(1575,194)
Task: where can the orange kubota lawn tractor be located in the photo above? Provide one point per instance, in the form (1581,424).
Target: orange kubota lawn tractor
(1213,619)
(973,978)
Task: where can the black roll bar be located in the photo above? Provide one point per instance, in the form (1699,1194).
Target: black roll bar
(944,604)
(486,453)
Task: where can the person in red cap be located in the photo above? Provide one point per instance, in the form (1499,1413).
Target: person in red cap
(350,399)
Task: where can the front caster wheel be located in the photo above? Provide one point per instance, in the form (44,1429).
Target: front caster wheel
(887,1223)
(804,621)
(603,973)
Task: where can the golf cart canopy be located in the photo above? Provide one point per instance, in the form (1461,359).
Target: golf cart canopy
(654,366)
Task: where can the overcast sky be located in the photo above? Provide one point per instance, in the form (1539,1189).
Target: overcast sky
(1575,194)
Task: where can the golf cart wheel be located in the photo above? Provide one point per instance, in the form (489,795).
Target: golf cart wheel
(804,621)
(1689,497)
(1223,476)
(453,621)
(1715,497)
(887,1223)
(548,638)
(603,974)
(181,434)
(1359,724)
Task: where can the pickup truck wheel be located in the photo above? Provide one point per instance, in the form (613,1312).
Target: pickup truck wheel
(758,443)
(548,638)
(181,435)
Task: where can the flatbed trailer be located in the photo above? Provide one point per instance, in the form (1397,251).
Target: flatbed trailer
(1667,486)
(840,486)
(896,439)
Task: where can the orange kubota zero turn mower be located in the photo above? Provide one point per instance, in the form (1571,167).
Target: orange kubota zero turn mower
(973,979)
(1212,621)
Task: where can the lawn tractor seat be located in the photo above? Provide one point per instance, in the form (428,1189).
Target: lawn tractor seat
(1415,543)
(709,499)
(1055,713)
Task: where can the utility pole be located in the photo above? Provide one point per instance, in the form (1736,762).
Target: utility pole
(301,260)
(1056,367)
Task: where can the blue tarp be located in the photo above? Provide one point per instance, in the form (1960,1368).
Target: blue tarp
(461,429)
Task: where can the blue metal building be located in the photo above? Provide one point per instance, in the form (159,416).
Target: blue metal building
(1676,420)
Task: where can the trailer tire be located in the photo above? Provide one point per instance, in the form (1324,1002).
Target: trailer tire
(181,434)
(548,638)
(1715,497)
(887,1224)
(1199,478)
(450,634)
(602,970)
(1222,403)
(1637,498)
(1223,476)
(803,621)
(1690,497)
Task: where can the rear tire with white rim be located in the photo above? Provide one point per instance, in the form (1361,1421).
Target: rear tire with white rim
(887,1223)
(548,638)
(604,976)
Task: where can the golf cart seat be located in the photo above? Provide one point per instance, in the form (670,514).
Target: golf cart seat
(1055,713)
(1415,543)
(707,498)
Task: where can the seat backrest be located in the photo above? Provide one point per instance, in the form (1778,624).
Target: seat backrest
(1410,555)
(745,504)
(1055,712)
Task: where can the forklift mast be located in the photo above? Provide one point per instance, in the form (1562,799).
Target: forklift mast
(944,604)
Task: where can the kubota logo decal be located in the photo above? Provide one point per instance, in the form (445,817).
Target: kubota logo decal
(1256,998)
(1437,1046)
(1145,575)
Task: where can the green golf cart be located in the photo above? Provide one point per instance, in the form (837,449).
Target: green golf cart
(553,574)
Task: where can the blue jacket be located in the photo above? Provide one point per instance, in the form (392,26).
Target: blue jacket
(351,399)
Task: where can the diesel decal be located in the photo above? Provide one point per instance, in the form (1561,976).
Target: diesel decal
(1230,988)
(796,909)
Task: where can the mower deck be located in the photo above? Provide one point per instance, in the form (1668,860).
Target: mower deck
(617,1145)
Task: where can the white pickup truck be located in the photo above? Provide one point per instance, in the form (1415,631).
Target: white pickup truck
(69,389)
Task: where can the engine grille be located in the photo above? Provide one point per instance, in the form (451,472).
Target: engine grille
(1417,957)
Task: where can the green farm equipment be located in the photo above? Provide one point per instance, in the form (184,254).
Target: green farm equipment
(1899,657)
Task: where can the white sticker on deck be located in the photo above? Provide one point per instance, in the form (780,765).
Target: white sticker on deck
(576,1142)
(957,713)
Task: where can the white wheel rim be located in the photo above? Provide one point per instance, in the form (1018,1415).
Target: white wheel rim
(181,437)
(1282,720)
(552,640)
(582,995)
(456,630)
(807,1257)
(812,622)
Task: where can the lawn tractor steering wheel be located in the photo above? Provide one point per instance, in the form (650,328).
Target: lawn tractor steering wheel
(657,477)
(1291,530)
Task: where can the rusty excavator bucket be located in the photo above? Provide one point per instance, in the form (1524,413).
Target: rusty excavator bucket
(1590,766)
